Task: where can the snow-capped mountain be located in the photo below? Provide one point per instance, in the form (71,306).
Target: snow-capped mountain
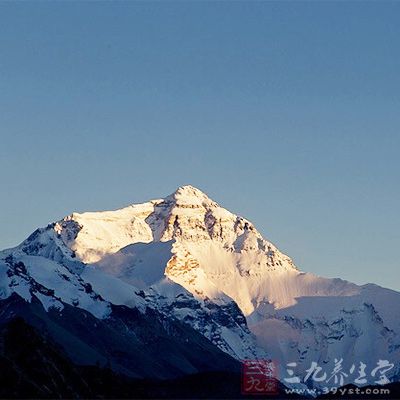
(187,258)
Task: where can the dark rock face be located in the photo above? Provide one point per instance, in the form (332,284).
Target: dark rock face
(32,365)
(138,345)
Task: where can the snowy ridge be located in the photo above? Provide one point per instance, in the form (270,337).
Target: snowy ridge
(193,260)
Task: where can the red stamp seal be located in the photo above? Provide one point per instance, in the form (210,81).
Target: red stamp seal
(259,377)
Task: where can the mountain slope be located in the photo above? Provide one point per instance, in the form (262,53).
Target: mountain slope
(33,365)
(130,342)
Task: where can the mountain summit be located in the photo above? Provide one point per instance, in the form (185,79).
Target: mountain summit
(191,196)
(187,258)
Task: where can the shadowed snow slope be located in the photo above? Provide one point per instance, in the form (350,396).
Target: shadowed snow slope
(191,259)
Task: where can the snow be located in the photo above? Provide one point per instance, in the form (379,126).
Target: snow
(139,264)
(22,288)
(51,282)
(54,276)
(168,289)
(5,290)
(113,289)
(49,302)
(104,233)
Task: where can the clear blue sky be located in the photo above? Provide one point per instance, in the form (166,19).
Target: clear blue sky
(287,113)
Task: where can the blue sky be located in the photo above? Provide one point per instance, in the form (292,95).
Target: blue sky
(284,112)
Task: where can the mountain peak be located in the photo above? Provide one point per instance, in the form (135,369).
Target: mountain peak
(190,195)
(188,190)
